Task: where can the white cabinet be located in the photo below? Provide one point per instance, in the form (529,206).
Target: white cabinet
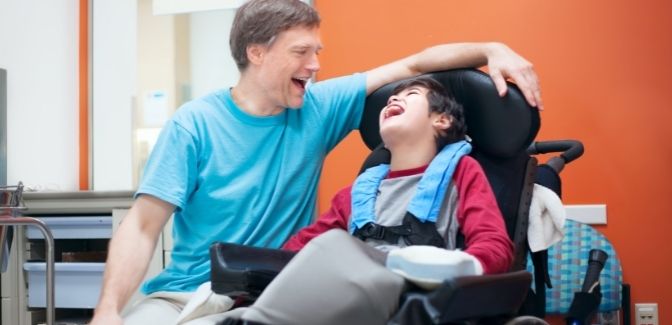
(82,223)
(77,285)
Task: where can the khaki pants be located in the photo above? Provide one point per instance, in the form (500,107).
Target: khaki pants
(335,279)
(185,308)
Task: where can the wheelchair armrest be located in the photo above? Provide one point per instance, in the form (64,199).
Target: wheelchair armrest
(466,298)
(237,270)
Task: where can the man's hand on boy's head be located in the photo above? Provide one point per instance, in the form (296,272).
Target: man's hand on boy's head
(504,63)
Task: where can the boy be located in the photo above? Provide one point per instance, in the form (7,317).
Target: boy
(337,279)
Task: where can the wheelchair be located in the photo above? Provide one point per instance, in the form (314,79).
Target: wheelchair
(502,132)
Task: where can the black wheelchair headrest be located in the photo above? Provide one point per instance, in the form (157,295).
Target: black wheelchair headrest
(501,127)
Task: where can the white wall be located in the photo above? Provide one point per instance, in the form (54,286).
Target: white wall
(114,88)
(212,66)
(38,47)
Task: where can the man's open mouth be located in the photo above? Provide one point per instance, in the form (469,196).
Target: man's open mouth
(300,82)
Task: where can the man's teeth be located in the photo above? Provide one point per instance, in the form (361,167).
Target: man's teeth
(303,81)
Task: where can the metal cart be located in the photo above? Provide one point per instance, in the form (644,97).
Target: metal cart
(11,205)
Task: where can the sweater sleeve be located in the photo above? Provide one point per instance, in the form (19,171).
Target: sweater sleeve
(335,218)
(481,221)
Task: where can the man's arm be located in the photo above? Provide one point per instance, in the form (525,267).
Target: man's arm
(130,251)
(501,60)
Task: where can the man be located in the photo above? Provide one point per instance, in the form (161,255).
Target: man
(430,192)
(242,165)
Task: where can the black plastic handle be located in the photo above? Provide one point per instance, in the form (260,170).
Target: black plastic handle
(570,150)
(596,260)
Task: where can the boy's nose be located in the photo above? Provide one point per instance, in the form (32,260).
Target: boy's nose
(392,98)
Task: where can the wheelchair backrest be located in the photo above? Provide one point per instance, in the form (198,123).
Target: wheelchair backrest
(501,129)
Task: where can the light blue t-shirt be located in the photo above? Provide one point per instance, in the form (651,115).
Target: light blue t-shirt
(240,178)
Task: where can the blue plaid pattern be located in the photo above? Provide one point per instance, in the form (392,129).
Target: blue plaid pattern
(567,263)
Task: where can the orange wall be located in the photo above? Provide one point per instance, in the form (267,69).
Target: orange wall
(605,80)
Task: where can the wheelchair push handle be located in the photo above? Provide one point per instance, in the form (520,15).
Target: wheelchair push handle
(570,150)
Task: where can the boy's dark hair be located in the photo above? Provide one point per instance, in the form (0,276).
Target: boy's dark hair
(260,21)
(442,102)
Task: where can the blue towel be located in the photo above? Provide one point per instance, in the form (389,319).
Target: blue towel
(429,195)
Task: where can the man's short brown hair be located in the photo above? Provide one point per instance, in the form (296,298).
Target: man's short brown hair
(260,21)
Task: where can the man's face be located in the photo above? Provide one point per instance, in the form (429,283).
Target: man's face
(406,117)
(287,65)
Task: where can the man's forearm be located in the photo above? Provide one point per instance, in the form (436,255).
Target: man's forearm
(130,252)
(131,249)
(503,63)
(439,57)
(450,56)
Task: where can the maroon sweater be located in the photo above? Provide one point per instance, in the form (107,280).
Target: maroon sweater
(478,215)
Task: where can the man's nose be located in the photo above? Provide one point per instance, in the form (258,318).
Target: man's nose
(313,63)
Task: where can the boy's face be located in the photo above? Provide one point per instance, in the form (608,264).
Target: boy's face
(287,64)
(406,117)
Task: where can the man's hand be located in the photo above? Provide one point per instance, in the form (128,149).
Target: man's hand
(103,318)
(504,63)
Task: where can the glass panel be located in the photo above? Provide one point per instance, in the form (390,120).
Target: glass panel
(180,57)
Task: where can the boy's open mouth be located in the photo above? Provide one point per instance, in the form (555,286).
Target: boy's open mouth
(393,110)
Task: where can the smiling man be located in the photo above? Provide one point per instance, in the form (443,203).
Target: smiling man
(242,165)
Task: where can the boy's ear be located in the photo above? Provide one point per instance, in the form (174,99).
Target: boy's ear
(442,122)
(255,53)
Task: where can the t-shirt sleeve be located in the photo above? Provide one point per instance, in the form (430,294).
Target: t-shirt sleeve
(171,170)
(340,101)
(335,218)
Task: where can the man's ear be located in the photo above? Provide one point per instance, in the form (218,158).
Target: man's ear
(255,53)
(442,122)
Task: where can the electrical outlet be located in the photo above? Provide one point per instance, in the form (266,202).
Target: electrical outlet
(646,314)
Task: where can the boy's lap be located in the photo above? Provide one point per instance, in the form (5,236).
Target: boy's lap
(333,280)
